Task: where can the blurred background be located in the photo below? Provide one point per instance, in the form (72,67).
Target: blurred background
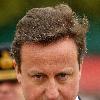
(12,10)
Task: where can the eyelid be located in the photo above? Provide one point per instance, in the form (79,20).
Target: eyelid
(67,73)
(61,74)
(39,74)
(36,74)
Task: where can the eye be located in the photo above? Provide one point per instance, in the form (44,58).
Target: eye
(39,77)
(62,76)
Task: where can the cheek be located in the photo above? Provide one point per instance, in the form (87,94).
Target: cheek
(71,89)
(19,92)
(31,91)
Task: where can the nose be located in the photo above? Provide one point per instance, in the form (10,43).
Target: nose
(52,91)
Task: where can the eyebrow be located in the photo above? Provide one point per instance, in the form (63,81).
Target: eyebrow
(66,71)
(35,72)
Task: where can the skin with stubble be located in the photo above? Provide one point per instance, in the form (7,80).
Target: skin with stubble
(50,72)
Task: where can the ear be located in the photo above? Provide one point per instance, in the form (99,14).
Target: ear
(18,74)
(80,70)
(14,63)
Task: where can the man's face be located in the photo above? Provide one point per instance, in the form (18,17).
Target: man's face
(50,72)
(10,90)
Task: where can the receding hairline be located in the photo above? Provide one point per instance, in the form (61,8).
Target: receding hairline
(68,43)
(44,44)
(65,25)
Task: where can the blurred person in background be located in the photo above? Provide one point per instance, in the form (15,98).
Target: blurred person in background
(9,86)
(49,47)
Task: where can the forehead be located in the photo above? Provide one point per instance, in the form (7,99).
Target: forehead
(58,46)
(62,48)
(54,57)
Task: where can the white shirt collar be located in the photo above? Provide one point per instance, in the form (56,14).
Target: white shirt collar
(77,98)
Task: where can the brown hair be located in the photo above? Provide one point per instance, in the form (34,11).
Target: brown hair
(45,25)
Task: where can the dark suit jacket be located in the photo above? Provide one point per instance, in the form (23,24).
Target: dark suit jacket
(79,98)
